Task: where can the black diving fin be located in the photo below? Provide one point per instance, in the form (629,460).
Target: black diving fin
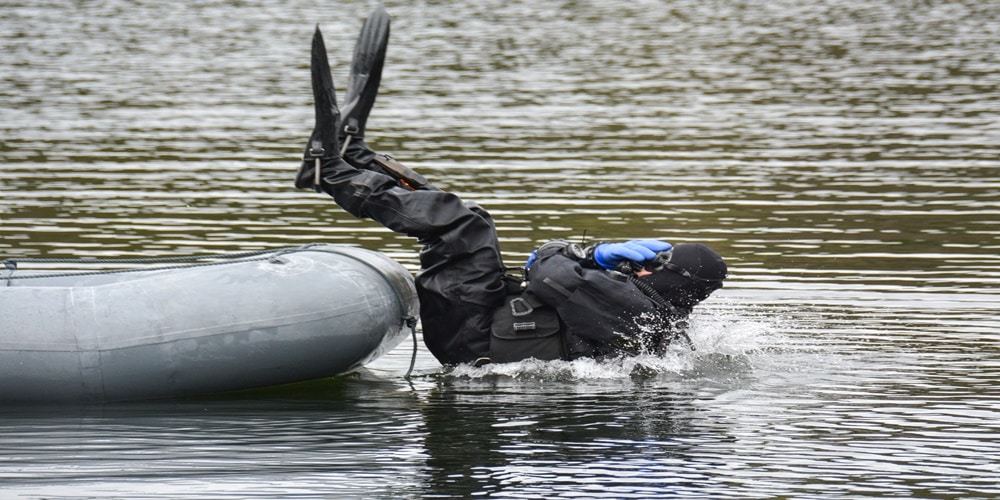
(366,75)
(362,89)
(323,143)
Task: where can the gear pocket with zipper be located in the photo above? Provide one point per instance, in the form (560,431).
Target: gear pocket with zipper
(521,330)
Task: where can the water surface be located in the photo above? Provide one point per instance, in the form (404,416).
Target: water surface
(842,156)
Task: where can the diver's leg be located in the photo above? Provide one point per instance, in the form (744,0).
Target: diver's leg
(460,282)
(424,214)
(367,193)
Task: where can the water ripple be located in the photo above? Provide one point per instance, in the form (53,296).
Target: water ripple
(842,156)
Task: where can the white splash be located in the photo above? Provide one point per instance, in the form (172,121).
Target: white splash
(726,337)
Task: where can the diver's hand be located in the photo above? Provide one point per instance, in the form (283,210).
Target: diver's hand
(609,255)
(656,246)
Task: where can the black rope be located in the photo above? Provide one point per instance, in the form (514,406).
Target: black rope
(411,322)
(192,260)
(157,260)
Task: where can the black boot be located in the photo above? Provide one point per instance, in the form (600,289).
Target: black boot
(362,88)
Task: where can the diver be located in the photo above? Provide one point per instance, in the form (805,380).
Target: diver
(610,299)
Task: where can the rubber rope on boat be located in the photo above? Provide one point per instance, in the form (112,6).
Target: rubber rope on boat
(412,323)
(256,255)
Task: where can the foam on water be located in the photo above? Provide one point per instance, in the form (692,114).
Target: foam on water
(728,337)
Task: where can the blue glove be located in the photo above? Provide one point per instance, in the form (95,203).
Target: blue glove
(656,246)
(531,258)
(609,255)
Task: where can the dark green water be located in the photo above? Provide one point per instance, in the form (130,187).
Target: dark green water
(843,156)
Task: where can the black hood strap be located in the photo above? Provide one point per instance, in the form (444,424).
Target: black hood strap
(655,296)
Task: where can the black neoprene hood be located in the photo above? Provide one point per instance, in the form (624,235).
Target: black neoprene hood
(689,275)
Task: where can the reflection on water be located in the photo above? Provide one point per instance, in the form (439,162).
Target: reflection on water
(841,155)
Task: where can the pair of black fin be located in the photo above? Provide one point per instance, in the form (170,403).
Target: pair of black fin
(335,128)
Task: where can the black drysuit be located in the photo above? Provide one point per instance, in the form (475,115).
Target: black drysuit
(461,283)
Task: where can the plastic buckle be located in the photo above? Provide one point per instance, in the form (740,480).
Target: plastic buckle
(316,150)
(520,307)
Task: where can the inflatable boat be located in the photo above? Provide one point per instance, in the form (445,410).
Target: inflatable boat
(197,326)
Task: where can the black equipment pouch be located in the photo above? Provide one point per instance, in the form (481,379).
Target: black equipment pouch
(523,330)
